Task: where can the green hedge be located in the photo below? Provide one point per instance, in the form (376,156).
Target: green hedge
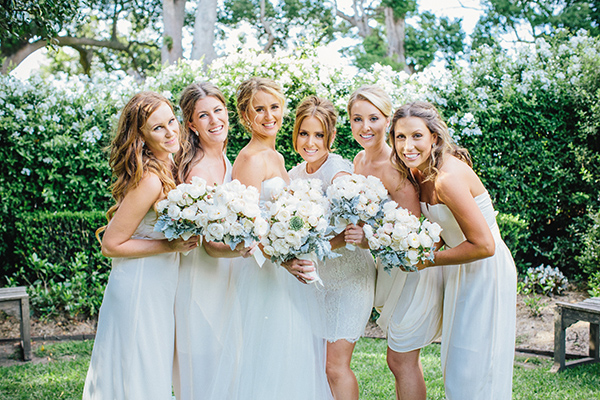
(59,259)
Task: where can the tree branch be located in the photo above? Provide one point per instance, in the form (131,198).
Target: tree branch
(267,26)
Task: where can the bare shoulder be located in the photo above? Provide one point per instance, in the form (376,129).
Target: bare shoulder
(358,159)
(456,178)
(150,185)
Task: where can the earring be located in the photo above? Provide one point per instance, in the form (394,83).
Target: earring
(433,145)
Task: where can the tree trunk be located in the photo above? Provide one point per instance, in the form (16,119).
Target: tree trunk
(396,34)
(267,27)
(204,31)
(173,15)
(360,19)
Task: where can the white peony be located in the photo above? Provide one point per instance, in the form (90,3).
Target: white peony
(216,231)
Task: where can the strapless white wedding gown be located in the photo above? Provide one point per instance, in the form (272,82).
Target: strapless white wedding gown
(208,326)
(478,339)
(282,357)
(132,357)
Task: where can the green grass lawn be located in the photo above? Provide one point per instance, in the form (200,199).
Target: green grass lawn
(63,376)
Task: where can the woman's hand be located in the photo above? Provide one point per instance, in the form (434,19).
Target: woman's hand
(183,246)
(246,251)
(355,235)
(299,268)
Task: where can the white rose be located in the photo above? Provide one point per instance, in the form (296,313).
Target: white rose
(293,238)
(237,205)
(400,231)
(174,211)
(322,225)
(434,230)
(304,208)
(283,215)
(175,195)
(236,229)
(261,227)
(251,210)
(425,240)
(313,220)
(373,243)
(279,229)
(315,194)
(389,206)
(368,230)
(413,256)
(201,220)
(216,231)
(281,246)
(197,189)
(269,250)
(161,205)
(413,240)
(372,209)
(189,213)
(231,217)
(385,240)
(217,212)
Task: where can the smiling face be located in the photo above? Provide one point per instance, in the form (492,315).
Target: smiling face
(210,120)
(413,142)
(161,132)
(265,115)
(368,124)
(311,144)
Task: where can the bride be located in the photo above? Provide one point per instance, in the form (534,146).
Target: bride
(282,356)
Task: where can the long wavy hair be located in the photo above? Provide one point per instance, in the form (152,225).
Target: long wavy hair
(323,110)
(191,150)
(436,125)
(246,92)
(130,159)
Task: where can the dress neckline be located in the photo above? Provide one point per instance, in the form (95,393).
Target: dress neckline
(428,205)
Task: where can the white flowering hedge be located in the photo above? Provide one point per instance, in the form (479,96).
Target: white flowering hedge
(530,119)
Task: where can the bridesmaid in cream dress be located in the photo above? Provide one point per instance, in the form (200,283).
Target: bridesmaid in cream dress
(133,349)
(207,313)
(282,356)
(346,297)
(410,303)
(480,280)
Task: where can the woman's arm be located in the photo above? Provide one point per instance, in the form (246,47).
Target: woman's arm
(454,190)
(138,201)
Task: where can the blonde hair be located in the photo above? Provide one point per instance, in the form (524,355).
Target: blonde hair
(248,89)
(374,95)
(323,110)
(191,146)
(130,159)
(436,125)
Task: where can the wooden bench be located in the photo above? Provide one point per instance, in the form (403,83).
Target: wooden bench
(15,301)
(566,315)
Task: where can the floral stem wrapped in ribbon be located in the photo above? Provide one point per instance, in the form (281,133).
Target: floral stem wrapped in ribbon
(227,213)
(356,198)
(297,216)
(400,239)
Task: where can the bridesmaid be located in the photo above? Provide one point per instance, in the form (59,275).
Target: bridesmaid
(349,281)
(133,350)
(207,311)
(410,303)
(480,278)
(282,357)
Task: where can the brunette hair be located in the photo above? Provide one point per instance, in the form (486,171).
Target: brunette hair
(130,158)
(436,125)
(248,89)
(323,110)
(191,151)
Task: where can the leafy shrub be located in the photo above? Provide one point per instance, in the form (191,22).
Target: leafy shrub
(70,288)
(515,233)
(590,252)
(594,284)
(545,280)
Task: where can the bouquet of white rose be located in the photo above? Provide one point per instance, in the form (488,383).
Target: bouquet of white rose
(182,213)
(234,215)
(356,198)
(227,213)
(298,224)
(400,239)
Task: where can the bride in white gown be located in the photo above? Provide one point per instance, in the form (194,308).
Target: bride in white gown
(281,357)
(479,314)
